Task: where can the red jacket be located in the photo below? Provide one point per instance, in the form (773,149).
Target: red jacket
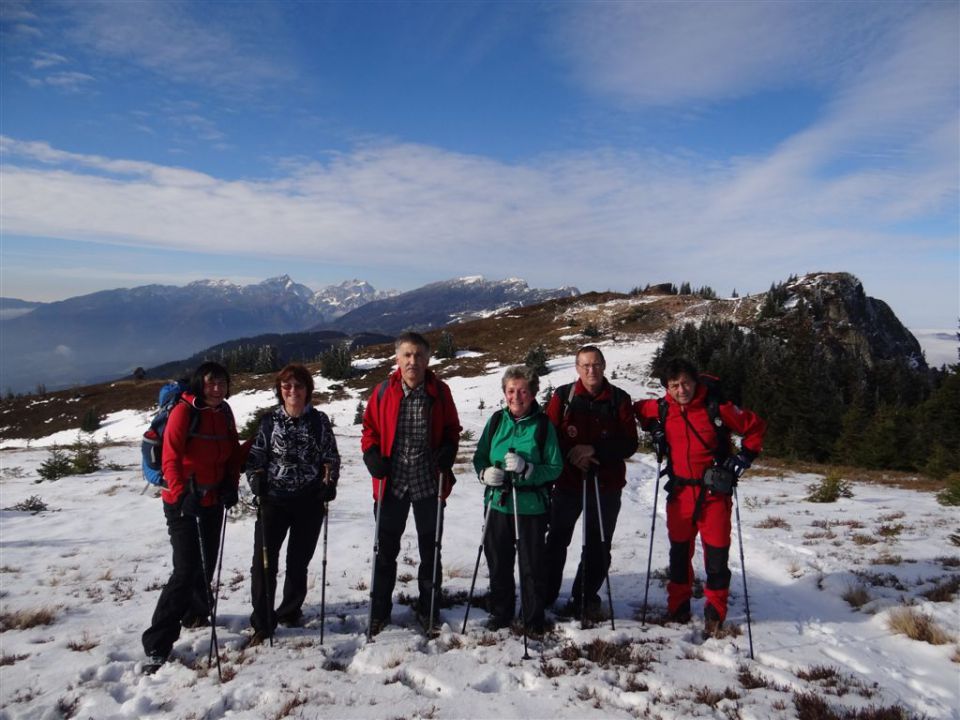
(210,455)
(688,455)
(606,422)
(383,413)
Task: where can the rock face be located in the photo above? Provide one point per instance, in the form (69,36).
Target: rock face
(844,314)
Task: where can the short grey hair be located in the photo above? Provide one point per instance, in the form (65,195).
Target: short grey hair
(521,372)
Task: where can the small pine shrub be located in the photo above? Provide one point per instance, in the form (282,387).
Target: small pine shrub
(547,394)
(481,405)
(950,495)
(536,359)
(358,414)
(829,490)
(86,456)
(467,435)
(336,363)
(253,422)
(56,466)
(90,420)
(446,347)
(591,331)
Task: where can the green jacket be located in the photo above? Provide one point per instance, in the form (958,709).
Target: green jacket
(532,497)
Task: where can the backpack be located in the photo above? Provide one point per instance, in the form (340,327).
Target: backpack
(151,447)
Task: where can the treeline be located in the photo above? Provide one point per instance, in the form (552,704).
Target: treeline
(685,288)
(827,405)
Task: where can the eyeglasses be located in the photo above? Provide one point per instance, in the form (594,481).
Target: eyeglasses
(292,386)
(590,366)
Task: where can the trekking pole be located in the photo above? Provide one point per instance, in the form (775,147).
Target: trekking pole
(653,526)
(265,560)
(214,645)
(476,566)
(603,543)
(323,574)
(583,555)
(516,550)
(743,568)
(437,538)
(206,583)
(376,554)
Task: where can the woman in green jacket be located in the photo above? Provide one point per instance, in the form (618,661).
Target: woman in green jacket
(517,457)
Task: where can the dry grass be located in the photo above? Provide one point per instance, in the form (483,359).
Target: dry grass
(811,706)
(916,625)
(861,539)
(26,619)
(11,659)
(890,530)
(856,596)
(773,521)
(711,697)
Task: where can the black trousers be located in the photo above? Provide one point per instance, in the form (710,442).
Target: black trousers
(302,519)
(393,521)
(565,509)
(499,552)
(184,597)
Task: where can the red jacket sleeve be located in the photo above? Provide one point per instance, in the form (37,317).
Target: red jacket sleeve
(174,448)
(745,423)
(647,412)
(370,435)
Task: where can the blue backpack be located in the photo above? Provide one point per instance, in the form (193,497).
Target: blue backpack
(151,447)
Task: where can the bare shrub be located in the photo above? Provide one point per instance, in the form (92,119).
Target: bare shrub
(945,560)
(861,539)
(33,504)
(405,577)
(886,558)
(286,710)
(811,706)
(944,591)
(889,530)
(709,696)
(772,521)
(11,659)
(83,644)
(916,625)
(26,619)
(856,596)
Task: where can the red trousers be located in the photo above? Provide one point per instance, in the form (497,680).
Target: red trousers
(713,525)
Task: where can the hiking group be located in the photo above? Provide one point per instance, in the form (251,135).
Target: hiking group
(541,470)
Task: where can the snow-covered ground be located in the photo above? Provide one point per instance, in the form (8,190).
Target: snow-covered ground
(98,557)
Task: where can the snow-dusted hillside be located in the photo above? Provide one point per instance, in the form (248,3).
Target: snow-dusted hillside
(97,558)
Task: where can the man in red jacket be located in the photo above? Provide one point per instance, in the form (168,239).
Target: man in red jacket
(684,432)
(411,432)
(597,433)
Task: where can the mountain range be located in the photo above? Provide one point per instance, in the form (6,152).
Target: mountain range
(105,335)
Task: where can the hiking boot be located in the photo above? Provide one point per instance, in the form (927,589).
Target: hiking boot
(291,620)
(681,615)
(152,664)
(495,623)
(377,625)
(259,637)
(712,622)
(423,617)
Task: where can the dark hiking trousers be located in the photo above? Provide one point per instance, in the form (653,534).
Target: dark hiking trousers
(393,521)
(565,509)
(499,553)
(184,597)
(302,518)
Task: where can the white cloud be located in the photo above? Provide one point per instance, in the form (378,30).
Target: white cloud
(43,60)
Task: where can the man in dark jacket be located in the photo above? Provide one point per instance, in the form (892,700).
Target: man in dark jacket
(684,432)
(597,433)
(411,432)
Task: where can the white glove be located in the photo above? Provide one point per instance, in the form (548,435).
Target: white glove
(516,464)
(492,477)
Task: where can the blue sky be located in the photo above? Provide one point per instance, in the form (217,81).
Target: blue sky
(602,144)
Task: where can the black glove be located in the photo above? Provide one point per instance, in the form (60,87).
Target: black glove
(229,496)
(377,464)
(190,504)
(444,456)
(658,438)
(327,492)
(258,482)
(737,463)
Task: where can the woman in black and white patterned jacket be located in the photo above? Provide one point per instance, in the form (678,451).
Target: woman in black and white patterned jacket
(293,469)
